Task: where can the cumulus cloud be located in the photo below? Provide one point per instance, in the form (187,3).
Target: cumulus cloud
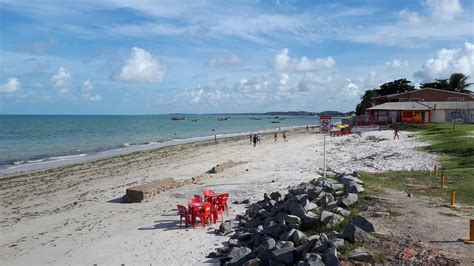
(87,86)
(141,68)
(95,98)
(283,62)
(225,61)
(448,61)
(444,9)
(10,86)
(395,64)
(409,16)
(61,78)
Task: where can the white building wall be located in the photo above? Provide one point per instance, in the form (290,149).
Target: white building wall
(438,116)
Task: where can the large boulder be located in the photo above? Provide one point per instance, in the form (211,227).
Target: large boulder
(314,259)
(288,235)
(353,187)
(353,234)
(310,218)
(225,228)
(284,255)
(330,218)
(309,205)
(299,237)
(273,230)
(238,255)
(348,200)
(326,199)
(330,257)
(363,223)
(291,219)
(360,254)
(348,179)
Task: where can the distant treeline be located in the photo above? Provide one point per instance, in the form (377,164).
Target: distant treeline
(304,113)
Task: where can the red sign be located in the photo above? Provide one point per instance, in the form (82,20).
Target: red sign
(325,123)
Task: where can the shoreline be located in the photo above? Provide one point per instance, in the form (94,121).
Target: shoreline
(81,158)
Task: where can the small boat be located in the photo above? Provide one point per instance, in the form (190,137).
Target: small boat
(178,118)
(275,122)
(222,118)
(194,120)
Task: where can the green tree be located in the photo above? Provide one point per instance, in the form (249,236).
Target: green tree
(361,108)
(396,86)
(458,82)
(440,84)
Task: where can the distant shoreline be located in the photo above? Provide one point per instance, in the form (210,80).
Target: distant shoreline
(84,158)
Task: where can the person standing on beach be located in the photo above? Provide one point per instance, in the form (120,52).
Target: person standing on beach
(275,137)
(251,138)
(254,140)
(284,137)
(396,133)
(259,137)
(307,128)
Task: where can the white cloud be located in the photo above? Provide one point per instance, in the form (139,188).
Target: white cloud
(395,64)
(283,62)
(87,86)
(10,86)
(225,61)
(141,68)
(61,77)
(448,61)
(410,16)
(95,98)
(444,9)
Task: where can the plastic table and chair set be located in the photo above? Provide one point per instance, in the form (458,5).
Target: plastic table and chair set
(207,208)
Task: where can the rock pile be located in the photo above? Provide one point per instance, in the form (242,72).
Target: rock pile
(282,228)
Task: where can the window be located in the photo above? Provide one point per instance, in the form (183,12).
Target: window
(453,99)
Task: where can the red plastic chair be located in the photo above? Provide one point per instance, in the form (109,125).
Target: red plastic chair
(207,193)
(183,212)
(193,200)
(198,197)
(220,205)
(204,213)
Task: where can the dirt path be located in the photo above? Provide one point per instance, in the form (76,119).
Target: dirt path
(420,230)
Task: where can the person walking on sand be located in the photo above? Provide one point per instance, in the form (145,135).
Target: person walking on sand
(275,137)
(284,137)
(254,140)
(251,138)
(396,133)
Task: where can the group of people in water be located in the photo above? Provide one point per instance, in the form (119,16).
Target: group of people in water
(255,138)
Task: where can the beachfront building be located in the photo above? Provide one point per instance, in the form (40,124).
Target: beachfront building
(418,112)
(424,95)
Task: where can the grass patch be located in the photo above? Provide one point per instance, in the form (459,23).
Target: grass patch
(457,151)
(346,249)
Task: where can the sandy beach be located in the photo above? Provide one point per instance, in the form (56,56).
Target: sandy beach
(72,214)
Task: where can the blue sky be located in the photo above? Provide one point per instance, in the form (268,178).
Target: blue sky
(147,57)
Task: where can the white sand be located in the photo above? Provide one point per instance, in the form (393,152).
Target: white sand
(40,224)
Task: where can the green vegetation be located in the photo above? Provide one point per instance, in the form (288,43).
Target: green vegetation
(457,151)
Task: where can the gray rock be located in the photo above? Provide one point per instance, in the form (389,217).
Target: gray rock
(267,243)
(299,237)
(238,255)
(302,263)
(287,235)
(348,200)
(284,255)
(309,206)
(330,218)
(291,219)
(266,197)
(312,239)
(320,245)
(225,228)
(302,197)
(284,244)
(273,230)
(363,223)
(252,262)
(323,202)
(337,242)
(274,262)
(330,257)
(260,228)
(360,254)
(353,187)
(342,211)
(353,234)
(332,205)
(313,194)
(276,195)
(263,213)
(297,209)
(310,218)
(314,259)
(348,178)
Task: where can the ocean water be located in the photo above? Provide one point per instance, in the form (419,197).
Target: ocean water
(30,139)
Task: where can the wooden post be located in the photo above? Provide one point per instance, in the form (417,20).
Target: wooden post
(441,180)
(435,170)
(470,238)
(453,198)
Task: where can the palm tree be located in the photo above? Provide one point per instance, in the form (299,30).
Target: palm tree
(458,83)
